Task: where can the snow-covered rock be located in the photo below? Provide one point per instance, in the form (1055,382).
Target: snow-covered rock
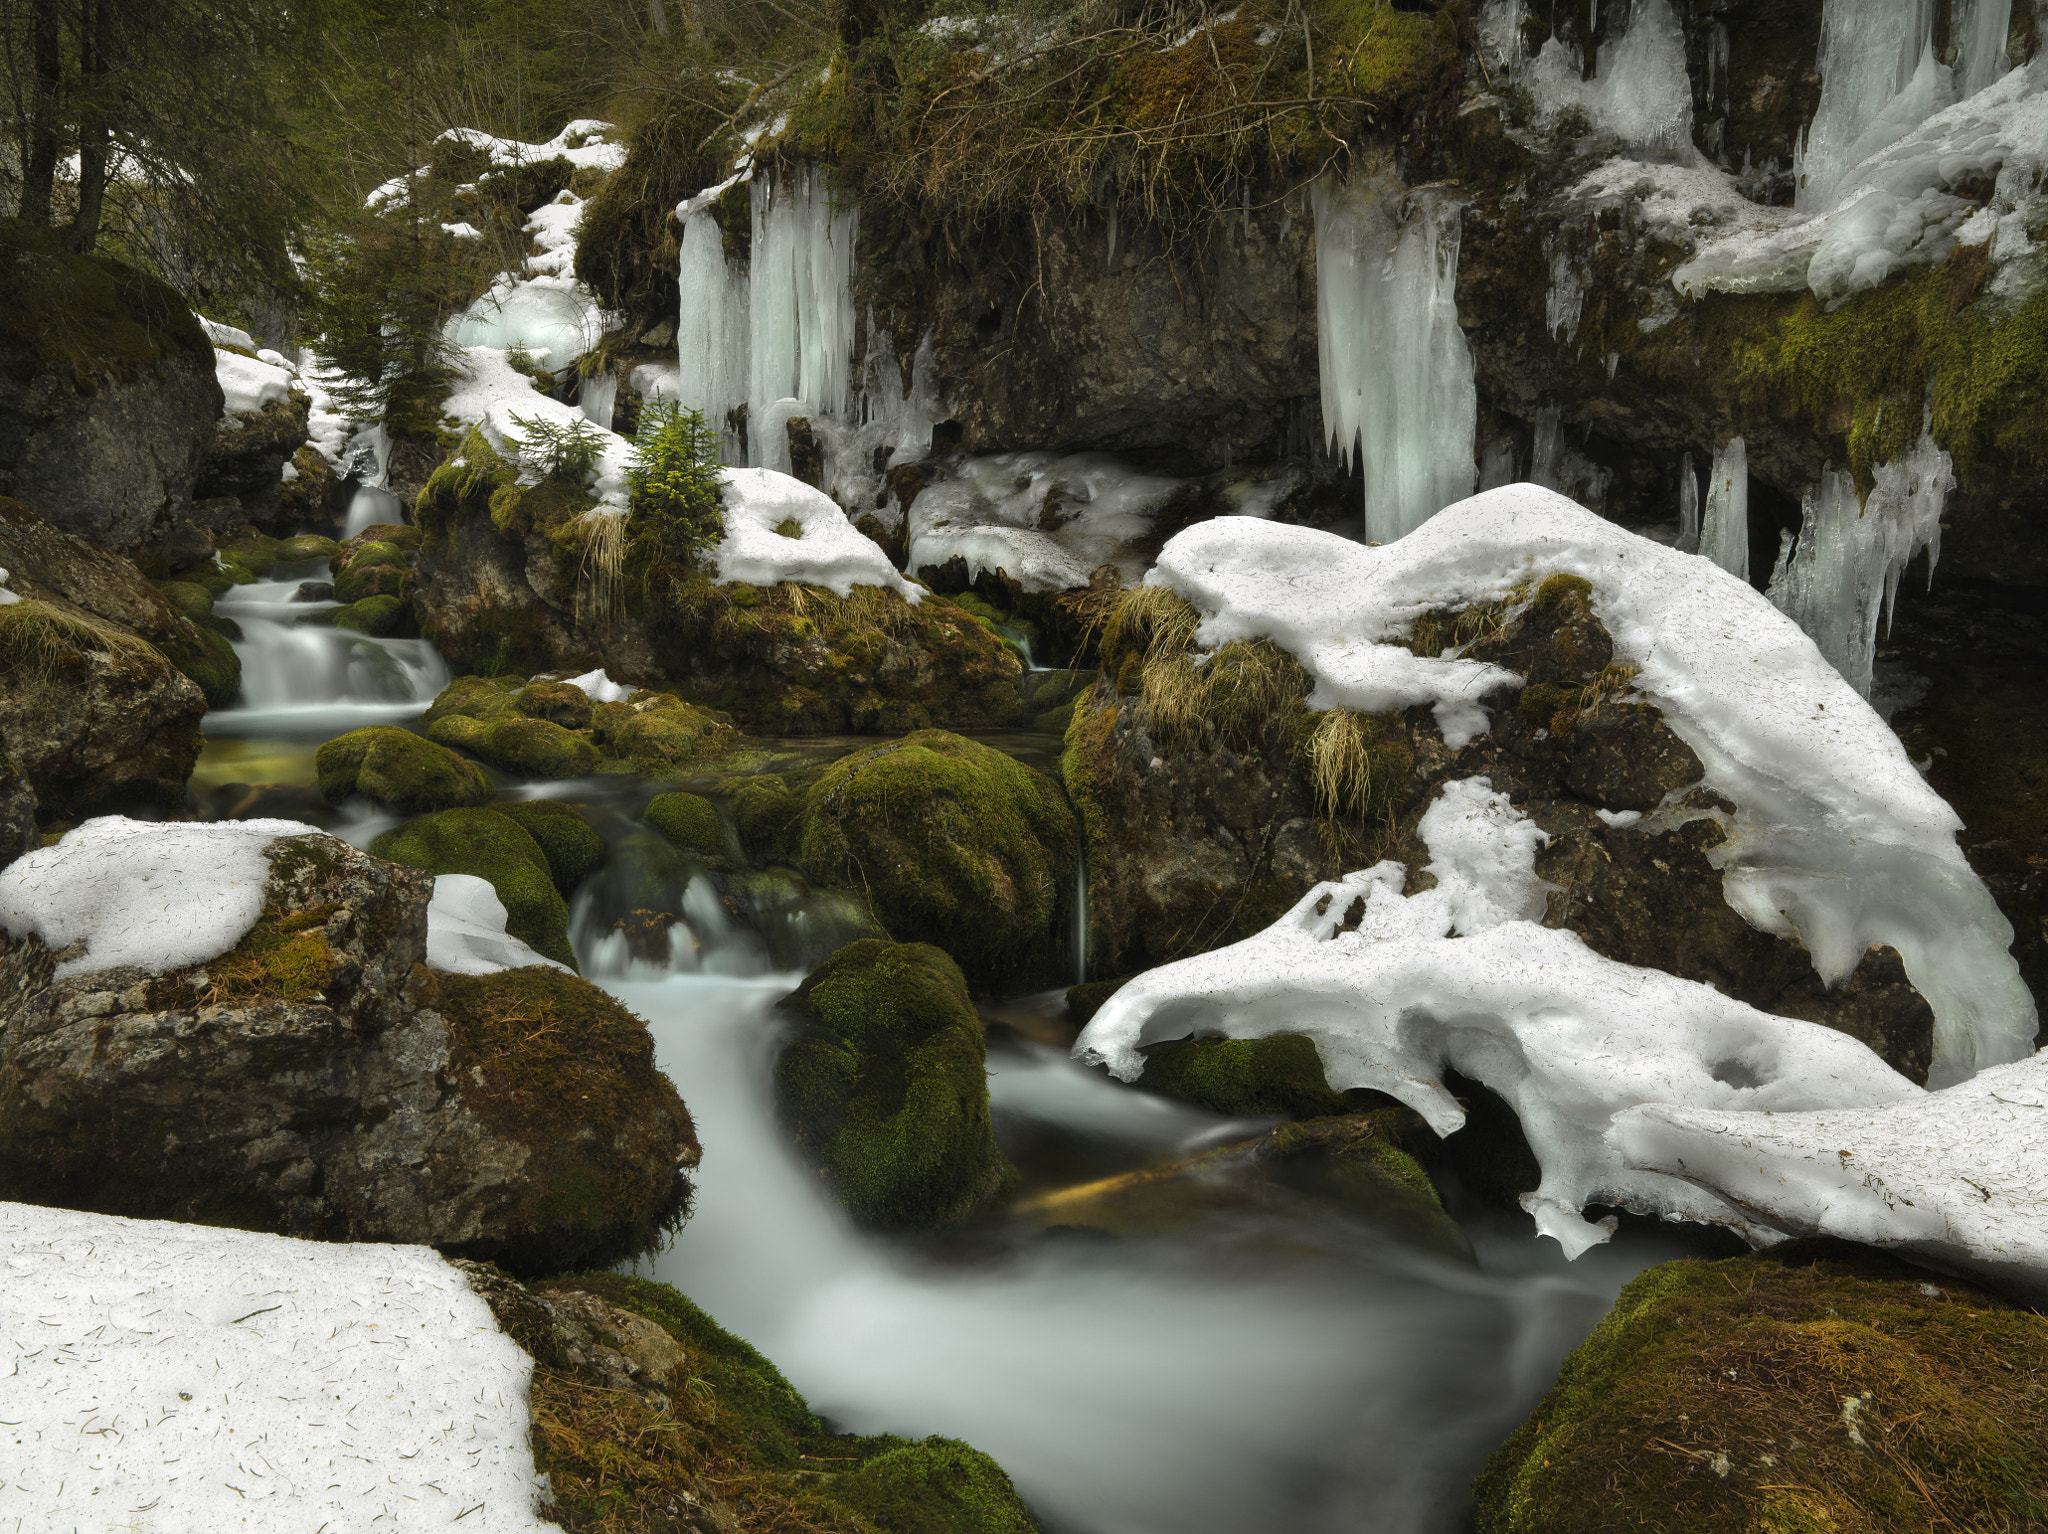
(827,550)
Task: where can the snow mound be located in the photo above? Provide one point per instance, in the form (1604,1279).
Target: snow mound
(827,550)
(226,335)
(1461,977)
(466,930)
(489,393)
(600,688)
(247,384)
(1952,1176)
(170,1376)
(159,897)
(553,227)
(582,143)
(1836,838)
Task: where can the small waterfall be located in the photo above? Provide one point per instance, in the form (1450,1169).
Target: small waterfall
(1725,537)
(371,505)
(1397,381)
(301,676)
(1081,920)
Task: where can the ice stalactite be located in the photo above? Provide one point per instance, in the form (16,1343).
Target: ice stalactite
(1556,465)
(1877,70)
(1564,300)
(599,394)
(1640,93)
(1843,573)
(1724,538)
(712,349)
(801,318)
(1979,28)
(1688,507)
(1397,385)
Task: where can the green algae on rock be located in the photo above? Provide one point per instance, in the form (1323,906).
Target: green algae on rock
(572,847)
(886,1087)
(533,748)
(946,836)
(401,769)
(690,821)
(1813,1387)
(498,850)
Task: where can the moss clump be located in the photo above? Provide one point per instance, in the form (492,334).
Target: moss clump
(886,1087)
(769,814)
(1245,1078)
(554,1064)
(475,697)
(944,835)
(369,570)
(380,617)
(400,769)
(658,733)
(533,748)
(573,849)
(939,1486)
(498,850)
(690,821)
(1813,1387)
(284,956)
(557,702)
(209,659)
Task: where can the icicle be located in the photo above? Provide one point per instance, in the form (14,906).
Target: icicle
(597,396)
(800,313)
(1980,27)
(1546,455)
(1497,462)
(1870,51)
(1688,507)
(1640,93)
(1843,573)
(712,351)
(1725,537)
(1397,381)
(1566,297)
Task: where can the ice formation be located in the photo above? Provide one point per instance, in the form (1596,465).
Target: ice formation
(826,550)
(1877,70)
(1724,536)
(712,347)
(1462,977)
(1844,570)
(466,930)
(157,896)
(553,319)
(1835,838)
(166,1376)
(1979,28)
(1688,540)
(1640,92)
(1953,1177)
(1397,385)
(598,397)
(800,311)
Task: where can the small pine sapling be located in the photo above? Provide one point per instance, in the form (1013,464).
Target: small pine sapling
(673,481)
(566,451)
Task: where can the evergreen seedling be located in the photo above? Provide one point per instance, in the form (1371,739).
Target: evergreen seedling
(569,451)
(673,481)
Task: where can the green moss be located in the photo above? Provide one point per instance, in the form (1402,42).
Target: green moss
(1562,596)
(370,570)
(533,748)
(500,851)
(886,1087)
(380,617)
(769,814)
(947,836)
(1715,1397)
(208,658)
(187,599)
(475,697)
(400,769)
(91,316)
(1245,1078)
(690,821)
(557,702)
(573,848)
(660,733)
(939,1486)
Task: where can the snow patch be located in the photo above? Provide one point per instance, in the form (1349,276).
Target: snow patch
(827,550)
(466,930)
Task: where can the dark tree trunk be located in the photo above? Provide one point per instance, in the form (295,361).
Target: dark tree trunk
(96,111)
(39,162)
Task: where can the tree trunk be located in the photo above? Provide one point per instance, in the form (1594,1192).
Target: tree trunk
(39,164)
(95,135)
(659,13)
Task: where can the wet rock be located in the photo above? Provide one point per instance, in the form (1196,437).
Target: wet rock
(398,768)
(18,832)
(573,850)
(689,821)
(317,1080)
(1813,1386)
(245,463)
(533,748)
(885,1086)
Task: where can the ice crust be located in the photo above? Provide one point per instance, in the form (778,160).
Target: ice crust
(466,930)
(1396,373)
(1952,1177)
(1835,838)
(157,896)
(1461,977)
(828,550)
(185,1378)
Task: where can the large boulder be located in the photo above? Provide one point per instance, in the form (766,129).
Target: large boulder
(948,837)
(107,392)
(311,1076)
(398,768)
(1814,1386)
(885,1086)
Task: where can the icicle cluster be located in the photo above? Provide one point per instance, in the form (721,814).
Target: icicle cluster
(1725,536)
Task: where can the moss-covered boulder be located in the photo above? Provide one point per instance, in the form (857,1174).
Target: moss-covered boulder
(474,697)
(690,821)
(1246,1078)
(498,850)
(769,814)
(885,1086)
(650,1418)
(1816,1386)
(656,733)
(951,839)
(557,702)
(398,768)
(532,748)
(368,570)
(381,617)
(571,845)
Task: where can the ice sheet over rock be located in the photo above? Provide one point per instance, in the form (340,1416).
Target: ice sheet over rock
(172,1376)
(1952,1176)
(1836,837)
(1459,977)
(827,550)
(157,896)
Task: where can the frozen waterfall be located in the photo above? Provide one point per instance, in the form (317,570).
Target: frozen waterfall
(1397,384)
(800,312)
(1847,562)
(1979,28)
(1640,92)
(1879,81)
(712,346)
(1724,538)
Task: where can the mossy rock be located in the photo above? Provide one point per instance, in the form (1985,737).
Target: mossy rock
(573,848)
(188,599)
(937,1486)
(1245,1078)
(769,814)
(475,697)
(209,659)
(658,733)
(532,748)
(690,821)
(400,769)
(605,1131)
(379,617)
(370,570)
(557,702)
(497,849)
(885,1089)
(1813,1387)
(1357,1162)
(949,837)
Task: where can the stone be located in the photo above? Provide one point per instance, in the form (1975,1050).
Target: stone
(18,832)
(398,768)
(246,460)
(319,1081)
(499,850)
